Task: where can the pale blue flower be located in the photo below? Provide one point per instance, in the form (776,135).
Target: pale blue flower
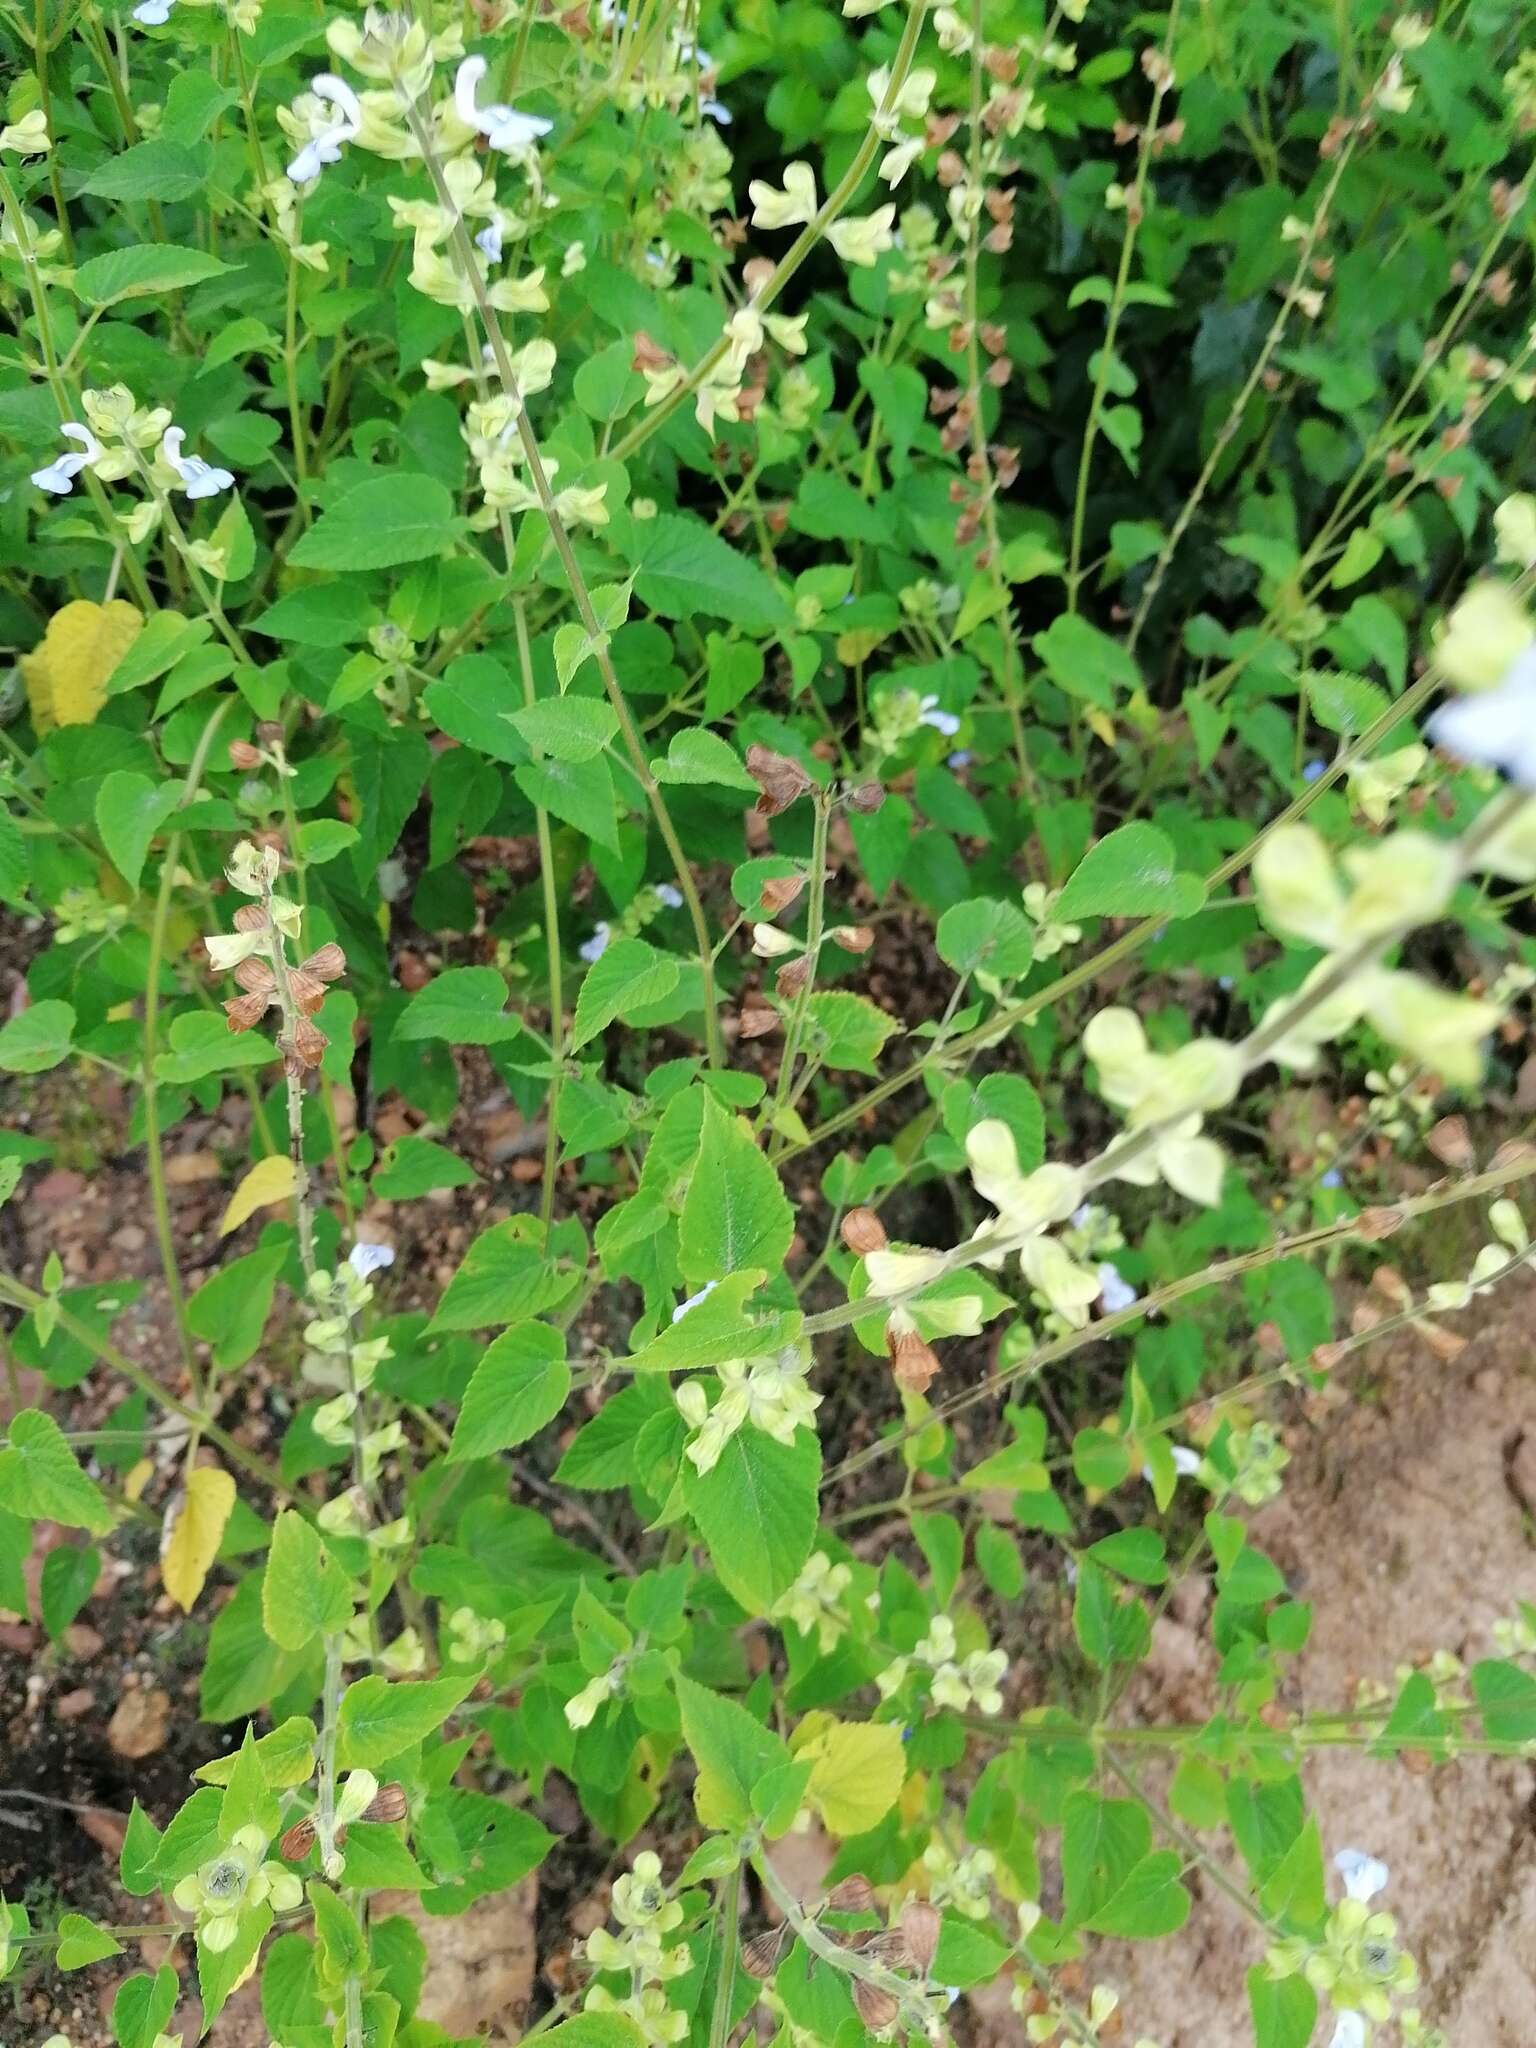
(365,1259)
(199,479)
(1312,770)
(930,714)
(1495,728)
(1364,1876)
(59,475)
(1115,1292)
(597,945)
(670,894)
(503,127)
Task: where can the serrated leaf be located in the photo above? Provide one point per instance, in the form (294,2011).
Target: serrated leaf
(520,1384)
(304,1593)
(682,568)
(735,1214)
(697,755)
(756,1511)
(380,523)
(1132,872)
(626,975)
(81,1941)
(464,1005)
(146,268)
(379,1717)
(40,1478)
(733,1751)
(37,1038)
(858,1770)
(566,728)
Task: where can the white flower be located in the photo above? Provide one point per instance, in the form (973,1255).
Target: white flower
(502,126)
(597,945)
(1114,1292)
(153,13)
(199,479)
(789,208)
(488,242)
(1349,2032)
(670,894)
(29,136)
(1186,1461)
(1364,1876)
(368,1258)
(59,476)
(941,721)
(694,1299)
(325,148)
(769,943)
(1495,728)
(717,113)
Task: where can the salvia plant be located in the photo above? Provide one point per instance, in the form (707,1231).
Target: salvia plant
(880,623)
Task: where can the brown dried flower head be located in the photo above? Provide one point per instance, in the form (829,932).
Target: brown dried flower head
(793,975)
(756,1019)
(876,2008)
(863,1232)
(243,755)
(780,779)
(779,891)
(865,797)
(913,1362)
(853,1895)
(760,1955)
(920,1924)
(853,938)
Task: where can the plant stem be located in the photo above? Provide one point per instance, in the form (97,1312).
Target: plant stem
(816,908)
(730,1937)
(552,946)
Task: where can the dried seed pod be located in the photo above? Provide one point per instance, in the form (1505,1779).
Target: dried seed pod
(913,1362)
(309,1042)
(246,1012)
(1326,1356)
(920,1924)
(1391,1285)
(780,779)
(1514,1152)
(1451,1142)
(250,917)
(760,1955)
(243,755)
(327,963)
(793,975)
(269,730)
(853,938)
(255,975)
(298,1841)
(387,1804)
(1377,1223)
(756,1020)
(876,2008)
(1445,1344)
(863,1232)
(867,798)
(308,993)
(854,1894)
(649,355)
(779,891)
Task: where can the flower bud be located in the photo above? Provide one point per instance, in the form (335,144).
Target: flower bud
(863,1232)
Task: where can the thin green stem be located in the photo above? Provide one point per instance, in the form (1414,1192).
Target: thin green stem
(552,946)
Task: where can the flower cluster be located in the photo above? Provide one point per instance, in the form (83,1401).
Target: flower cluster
(1358,1962)
(963,1883)
(960,1683)
(1370,894)
(255,952)
(1169,1090)
(645,1914)
(338,1355)
(231,1883)
(1052,935)
(814,1603)
(112,442)
(770,1393)
(1027,1206)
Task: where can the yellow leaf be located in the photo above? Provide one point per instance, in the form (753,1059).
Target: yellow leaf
(135,1481)
(269,1180)
(1102,724)
(857,1770)
(196,1528)
(66,674)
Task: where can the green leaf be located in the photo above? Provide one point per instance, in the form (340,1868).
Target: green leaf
(416,1166)
(1130,873)
(682,567)
(568,728)
(149,170)
(38,1038)
(756,1511)
(996,937)
(579,793)
(377,1860)
(69,1577)
(379,523)
(130,809)
(733,1751)
(142,2006)
(464,1005)
(1506,1699)
(1135,1554)
(322,839)
(594,2030)
(1150,1902)
(1284,2009)
(696,755)
(218,1973)
(829,508)
(735,1214)
(504,1278)
(626,975)
(145,268)
(81,1941)
(201,1044)
(380,1718)
(847,1032)
(140,1854)
(40,1479)
(1102,1843)
(286,1755)
(229,1311)
(520,1384)
(305,1593)
(1086,663)
(473,702)
(248,1800)
(1345,703)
